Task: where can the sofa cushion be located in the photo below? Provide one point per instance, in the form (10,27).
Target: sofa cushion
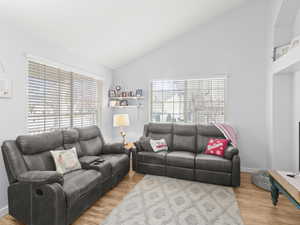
(92,146)
(119,162)
(91,140)
(184,138)
(71,140)
(41,161)
(33,144)
(184,129)
(204,132)
(213,163)
(209,131)
(78,183)
(90,132)
(181,159)
(152,157)
(184,143)
(161,130)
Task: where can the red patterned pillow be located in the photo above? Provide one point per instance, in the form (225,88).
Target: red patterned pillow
(216,146)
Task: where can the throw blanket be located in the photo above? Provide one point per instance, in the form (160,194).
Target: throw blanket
(228,132)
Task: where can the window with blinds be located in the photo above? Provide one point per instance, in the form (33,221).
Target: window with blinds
(188,101)
(60,99)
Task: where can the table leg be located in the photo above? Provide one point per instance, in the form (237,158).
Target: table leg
(274,192)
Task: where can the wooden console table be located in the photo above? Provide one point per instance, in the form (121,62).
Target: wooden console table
(284,184)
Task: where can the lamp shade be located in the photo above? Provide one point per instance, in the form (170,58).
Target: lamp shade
(121,120)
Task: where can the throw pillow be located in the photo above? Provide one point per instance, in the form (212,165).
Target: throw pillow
(66,160)
(159,145)
(216,146)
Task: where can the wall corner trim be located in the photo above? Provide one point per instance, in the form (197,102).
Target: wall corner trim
(251,170)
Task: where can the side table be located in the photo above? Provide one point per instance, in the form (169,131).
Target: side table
(280,182)
(130,146)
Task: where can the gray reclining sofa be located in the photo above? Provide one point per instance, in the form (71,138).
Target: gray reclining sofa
(38,195)
(185,158)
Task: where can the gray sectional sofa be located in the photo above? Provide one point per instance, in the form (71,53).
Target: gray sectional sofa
(38,195)
(185,158)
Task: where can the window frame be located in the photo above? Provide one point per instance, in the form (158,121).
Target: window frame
(217,76)
(67,68)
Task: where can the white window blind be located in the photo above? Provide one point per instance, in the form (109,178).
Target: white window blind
(60,99)
(188,101)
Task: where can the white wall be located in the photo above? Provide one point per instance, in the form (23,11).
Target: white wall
(14,44)
(285,19)
(234,44)
(283,94)
(283,152)
(296,120)
(273,12)
(296,28)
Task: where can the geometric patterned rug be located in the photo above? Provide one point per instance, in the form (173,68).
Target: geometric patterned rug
(159,200)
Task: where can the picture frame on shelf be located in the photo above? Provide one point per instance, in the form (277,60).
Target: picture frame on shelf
(124,103)
(112,93)
(131,94)
(281,51)
(139,93)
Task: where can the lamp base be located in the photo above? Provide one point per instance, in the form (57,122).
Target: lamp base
(123,135)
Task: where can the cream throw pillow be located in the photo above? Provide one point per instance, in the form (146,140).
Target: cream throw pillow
(159,145)
(66,160)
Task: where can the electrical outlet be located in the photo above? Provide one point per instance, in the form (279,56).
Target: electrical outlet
(5,88)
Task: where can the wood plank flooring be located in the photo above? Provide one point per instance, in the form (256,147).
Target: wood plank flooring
(255,205)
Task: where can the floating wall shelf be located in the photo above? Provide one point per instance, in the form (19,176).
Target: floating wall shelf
(129,98)
(288,63)
(118,99)
(127,107)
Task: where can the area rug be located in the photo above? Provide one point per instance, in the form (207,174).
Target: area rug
(159,200)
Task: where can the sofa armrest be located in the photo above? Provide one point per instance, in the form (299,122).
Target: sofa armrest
(37,204)
(236,171)
(116,148)
(134,157)
(143,144)
(138,146)
(230,151)
(41,177)
(87,160)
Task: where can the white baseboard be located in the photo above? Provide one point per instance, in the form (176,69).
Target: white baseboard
(3,211)
(249,170)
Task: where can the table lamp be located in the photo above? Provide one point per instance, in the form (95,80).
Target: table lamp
(121,120)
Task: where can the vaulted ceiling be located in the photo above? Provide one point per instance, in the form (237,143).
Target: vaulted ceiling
(112,32)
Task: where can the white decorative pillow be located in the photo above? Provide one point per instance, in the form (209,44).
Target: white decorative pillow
(159,145)
(66,160)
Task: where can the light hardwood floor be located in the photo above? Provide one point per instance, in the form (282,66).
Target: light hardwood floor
(255,205)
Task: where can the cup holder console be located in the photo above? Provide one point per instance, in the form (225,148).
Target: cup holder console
(98,162)
(39,192)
